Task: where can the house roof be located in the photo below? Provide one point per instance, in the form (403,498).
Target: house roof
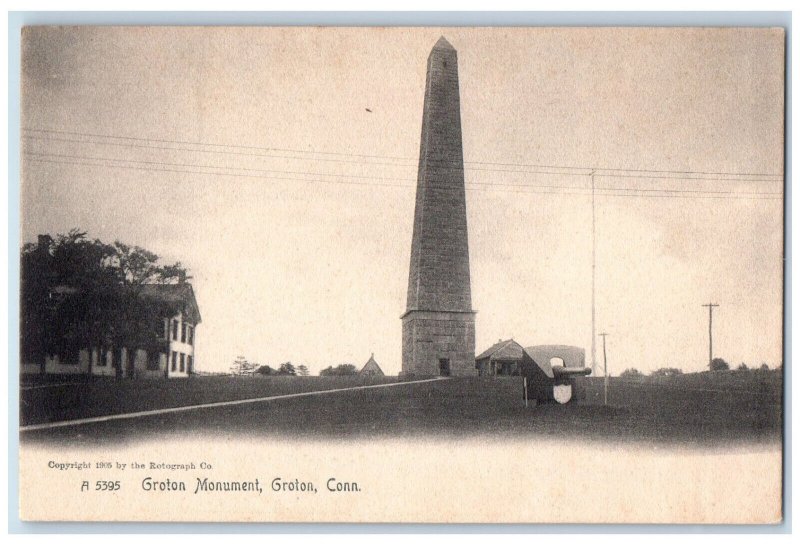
(371,365)
(573,356)
(503,350)
(179,296)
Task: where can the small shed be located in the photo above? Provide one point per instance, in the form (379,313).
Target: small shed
(371,368)
(502,358)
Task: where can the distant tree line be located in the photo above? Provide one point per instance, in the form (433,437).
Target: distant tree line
(666,372)
(78,293)
(339,371)
(284,369)
(241,366)
(717,364)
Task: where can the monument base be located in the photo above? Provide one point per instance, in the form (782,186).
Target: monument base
(438,343)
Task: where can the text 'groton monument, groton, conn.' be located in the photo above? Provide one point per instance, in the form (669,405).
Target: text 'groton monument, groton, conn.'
(439,323)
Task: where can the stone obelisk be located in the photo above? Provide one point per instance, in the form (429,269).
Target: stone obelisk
(439,323)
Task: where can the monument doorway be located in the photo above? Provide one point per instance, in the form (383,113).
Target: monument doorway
(444,367)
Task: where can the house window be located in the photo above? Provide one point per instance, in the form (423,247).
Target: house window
(102,357)
(174,330)
(174,360)
(190,334)
(153,361)
(183,362)
(189,364)
(183,332)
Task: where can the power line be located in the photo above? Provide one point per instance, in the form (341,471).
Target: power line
(501,184)
(689,178)
(342,154)
(176,171)
(242,153)
(195,143)
(239,175)
(631,169)
(251,154)
(390,164)
(196,165)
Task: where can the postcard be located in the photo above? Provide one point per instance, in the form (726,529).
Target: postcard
(403,275)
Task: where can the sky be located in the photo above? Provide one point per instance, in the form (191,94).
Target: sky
(279,166)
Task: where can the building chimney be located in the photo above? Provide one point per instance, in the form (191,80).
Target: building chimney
(44,242)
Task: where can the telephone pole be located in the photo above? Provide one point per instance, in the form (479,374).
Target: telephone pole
(710,338)
(594,331)
(605,370)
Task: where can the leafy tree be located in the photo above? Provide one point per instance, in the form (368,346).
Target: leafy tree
(718,364)
(631,373)
(340,370)
(764,367)
(302,370)
(666,372)
(287,369)
(266,370)
(742,367)
(68,292)
(78,292)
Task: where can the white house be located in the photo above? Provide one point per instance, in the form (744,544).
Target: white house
(179,330)
(175,332)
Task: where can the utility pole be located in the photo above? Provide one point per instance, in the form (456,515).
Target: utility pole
(594,331)
(605,370)
(710,338)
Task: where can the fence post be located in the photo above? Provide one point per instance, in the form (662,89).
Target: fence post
(525,387)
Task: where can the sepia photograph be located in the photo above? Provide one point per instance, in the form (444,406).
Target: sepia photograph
(402,274)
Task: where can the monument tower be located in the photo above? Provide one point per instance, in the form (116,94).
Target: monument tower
(439,323)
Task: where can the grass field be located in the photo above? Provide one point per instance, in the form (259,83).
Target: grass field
(704,409)
(106,396)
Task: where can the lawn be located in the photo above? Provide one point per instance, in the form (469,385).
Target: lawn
(104,396)
(707,409)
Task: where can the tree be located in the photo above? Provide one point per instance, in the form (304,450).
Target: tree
(666,372)
(764,367)
(241,366)
(340,370)
(266,370)
(68,286)
(718,364)
(287,369)
(631,373)
(302,370)
(82,293)
(742,367)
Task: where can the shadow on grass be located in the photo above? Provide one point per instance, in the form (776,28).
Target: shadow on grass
(461,408)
